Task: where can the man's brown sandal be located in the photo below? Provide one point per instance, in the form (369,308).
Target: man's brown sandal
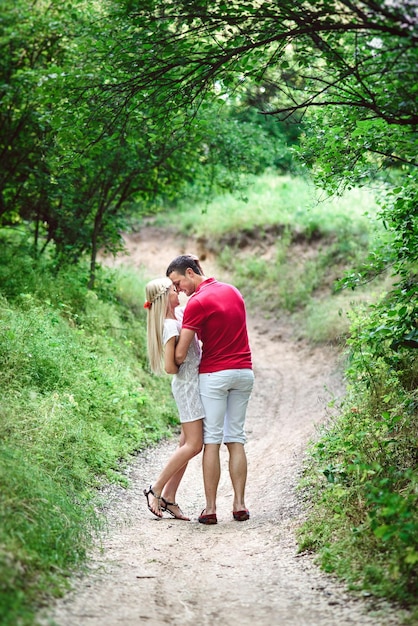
(147,493)
(165,504)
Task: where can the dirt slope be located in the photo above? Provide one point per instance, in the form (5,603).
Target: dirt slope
(164,571)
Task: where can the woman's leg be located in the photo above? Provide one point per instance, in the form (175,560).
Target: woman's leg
(170,488)
(191,442)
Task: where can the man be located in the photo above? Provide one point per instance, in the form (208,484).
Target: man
(216,313)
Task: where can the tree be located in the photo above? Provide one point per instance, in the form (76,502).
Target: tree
(327,52)
(26,52)
(348,69)
(78,155)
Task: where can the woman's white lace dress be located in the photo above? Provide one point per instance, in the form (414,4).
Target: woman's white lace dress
(185,384)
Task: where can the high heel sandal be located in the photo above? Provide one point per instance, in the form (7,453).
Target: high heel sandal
(147,493)
(165,504)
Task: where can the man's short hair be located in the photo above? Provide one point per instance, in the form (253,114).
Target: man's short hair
(183,262)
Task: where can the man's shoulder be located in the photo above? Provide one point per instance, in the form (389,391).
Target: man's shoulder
(228,287)
(214,292)
(214,282)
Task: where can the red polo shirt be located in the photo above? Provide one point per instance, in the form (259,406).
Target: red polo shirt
(216,312)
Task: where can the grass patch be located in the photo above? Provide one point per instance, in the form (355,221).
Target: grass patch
(42,534)
(270,200)
(361,475)
(77,400)
(285,245)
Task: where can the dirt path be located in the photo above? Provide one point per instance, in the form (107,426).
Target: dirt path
(178,573)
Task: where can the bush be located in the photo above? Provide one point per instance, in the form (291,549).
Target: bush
(362,473)
(42,534)
(76,401)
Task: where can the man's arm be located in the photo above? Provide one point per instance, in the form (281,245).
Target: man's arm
(185,339)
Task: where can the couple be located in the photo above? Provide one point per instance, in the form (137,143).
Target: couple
(210,385)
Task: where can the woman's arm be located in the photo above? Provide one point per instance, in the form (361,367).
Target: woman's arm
(170,365)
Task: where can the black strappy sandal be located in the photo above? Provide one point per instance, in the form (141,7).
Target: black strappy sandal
(164,507)
(147,493)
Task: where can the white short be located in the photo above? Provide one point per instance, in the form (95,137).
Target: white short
(225,397)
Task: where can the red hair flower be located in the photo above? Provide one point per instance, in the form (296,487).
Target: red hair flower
(147,305)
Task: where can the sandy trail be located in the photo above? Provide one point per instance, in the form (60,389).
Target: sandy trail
(171,572)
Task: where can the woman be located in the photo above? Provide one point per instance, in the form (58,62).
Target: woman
(164,316)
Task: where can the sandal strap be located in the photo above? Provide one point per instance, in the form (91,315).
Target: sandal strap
(167,503)
(151,491)
(165,506)
(157,511)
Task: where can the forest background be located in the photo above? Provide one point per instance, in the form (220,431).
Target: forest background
(117,112)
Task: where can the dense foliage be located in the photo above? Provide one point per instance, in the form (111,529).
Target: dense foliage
(76,401)
(362,472)
(348,69)
(75,162)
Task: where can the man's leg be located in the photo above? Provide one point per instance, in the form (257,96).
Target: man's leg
(211,475)
(238,473)
(234,436)
(214,394)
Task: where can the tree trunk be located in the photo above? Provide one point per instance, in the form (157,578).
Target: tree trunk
(98,220)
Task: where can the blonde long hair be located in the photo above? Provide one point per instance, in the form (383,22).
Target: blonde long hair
(156,293)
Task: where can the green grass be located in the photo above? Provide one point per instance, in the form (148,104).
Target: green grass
(270,200)
(286,245)
(361,480)
(42,534)
(77,400)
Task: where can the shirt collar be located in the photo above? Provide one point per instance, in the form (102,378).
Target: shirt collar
(208,281)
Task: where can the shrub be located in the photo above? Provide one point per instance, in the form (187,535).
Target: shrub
(362,473)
